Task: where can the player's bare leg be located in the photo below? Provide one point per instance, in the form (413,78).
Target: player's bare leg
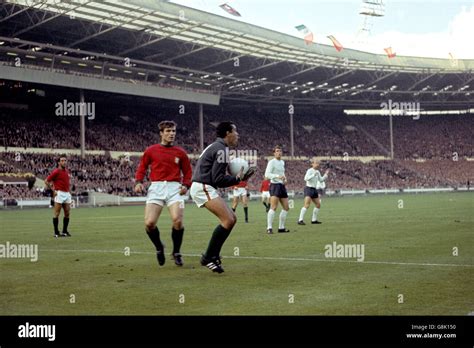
(283,214)
(67,210)
(152,214)
(57,209)
(56,212)
(227,218)
(176,211)
(274,202)
(314,218)
(245,205)
(306,204)
(266,203)
(317,202)
(235,202)
(225,215)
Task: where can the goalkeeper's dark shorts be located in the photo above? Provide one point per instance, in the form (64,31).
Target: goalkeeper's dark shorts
(278,190)
(311,192)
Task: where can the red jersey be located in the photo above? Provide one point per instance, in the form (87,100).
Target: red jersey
(265,186)
(167,163)
(240,184)
(60,179)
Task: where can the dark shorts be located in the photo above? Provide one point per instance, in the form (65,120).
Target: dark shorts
(310,192)
(321,192)
(278,190)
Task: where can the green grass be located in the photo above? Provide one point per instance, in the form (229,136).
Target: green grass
(415,243)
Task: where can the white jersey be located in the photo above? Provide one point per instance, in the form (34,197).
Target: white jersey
(275,168)
(314,179)
(321,185)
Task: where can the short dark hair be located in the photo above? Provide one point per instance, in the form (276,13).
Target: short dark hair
(166,124)
(277,147)
(59,159)
(224,127)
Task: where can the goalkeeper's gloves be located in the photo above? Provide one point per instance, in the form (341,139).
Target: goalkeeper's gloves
(249,173)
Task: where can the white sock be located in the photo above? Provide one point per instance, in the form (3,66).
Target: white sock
(315,214)
(270,216)
(302,212)
(282,219)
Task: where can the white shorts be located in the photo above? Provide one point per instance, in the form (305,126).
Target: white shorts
(161,192)
(265,194)
(63,197)
(239,191)
(202,193)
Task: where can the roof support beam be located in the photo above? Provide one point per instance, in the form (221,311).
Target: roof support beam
(13,13)
(156,40)
(421,81)
(102,32)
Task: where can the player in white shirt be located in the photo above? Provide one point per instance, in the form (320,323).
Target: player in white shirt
(275,172)
(314,183)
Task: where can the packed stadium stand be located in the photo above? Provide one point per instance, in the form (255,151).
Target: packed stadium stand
(429,152)
(137,75)
(321,134)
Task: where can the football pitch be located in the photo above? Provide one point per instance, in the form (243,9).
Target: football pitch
(418,260)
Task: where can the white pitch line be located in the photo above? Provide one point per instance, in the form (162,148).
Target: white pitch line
(272,258)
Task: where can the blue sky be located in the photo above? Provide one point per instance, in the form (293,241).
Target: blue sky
(413,28)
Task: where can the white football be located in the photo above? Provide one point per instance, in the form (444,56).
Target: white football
(236,164)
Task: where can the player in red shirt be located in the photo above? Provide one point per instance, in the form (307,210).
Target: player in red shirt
(171,178)
(265,190)
(58,181)
(240,192)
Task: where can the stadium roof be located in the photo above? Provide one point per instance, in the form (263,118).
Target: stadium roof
(180,46)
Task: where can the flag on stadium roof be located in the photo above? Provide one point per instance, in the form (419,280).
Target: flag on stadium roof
(336,43)
(230,9)
(308,39)
(308,35)
(390,53)
(302,28)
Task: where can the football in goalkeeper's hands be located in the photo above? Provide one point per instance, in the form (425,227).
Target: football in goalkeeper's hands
(236,165)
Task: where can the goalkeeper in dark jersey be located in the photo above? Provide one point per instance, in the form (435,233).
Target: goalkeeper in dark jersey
(209,175)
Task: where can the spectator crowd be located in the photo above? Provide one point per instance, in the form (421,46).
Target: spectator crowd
(429,152)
